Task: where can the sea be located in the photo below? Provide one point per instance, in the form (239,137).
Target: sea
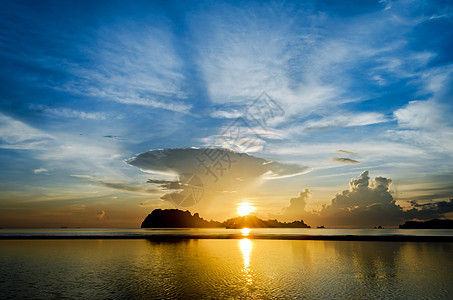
(225,264)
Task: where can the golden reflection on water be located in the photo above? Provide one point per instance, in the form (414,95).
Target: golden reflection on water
(224,269)
(246,249)
(245,231)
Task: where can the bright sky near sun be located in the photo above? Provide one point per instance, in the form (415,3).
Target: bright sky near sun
(245,208)
(88,85)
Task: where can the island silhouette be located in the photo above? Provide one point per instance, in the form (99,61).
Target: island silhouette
(175,218)
(431,224)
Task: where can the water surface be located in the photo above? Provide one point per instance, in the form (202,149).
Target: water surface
(224,268)
(219,232)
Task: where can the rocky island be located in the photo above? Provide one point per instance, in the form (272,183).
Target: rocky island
(175,218)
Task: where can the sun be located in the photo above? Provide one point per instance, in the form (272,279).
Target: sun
(245,208)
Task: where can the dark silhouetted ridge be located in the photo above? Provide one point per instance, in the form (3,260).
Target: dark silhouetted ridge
(432,224)
(255,222)
(175,218)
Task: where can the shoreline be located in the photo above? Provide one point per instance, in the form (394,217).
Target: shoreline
(175,237)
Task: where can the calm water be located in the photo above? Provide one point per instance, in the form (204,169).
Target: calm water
(224,268)
(221,232)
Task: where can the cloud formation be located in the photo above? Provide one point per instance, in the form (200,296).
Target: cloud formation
(344,160)
(348,152)
(40,171)
(100,215)
(215,170)
(344,120)
(129,187)
(297,205)
(67,113)
(367,203)
(15,134)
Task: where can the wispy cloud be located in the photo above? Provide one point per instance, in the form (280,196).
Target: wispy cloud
(60,150)
(135,65)
(345,160)
(303,67)
(70,113)
(40,171)
(18,135)
(248,54)
(132,63)
(342,120)
(92,89)
(130,187)
(223,114)
(348,152)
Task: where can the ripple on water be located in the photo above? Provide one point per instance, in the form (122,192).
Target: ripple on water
(227,269)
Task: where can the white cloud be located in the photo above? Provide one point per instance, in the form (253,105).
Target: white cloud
(135,65)
(244,55)
(18,135)
(240,136)
(427,123)
(365,148)
(222,114)
(40,171)
(62,150)
(419,114)
(302,67)
(134,98)
(72,113)
(342,120)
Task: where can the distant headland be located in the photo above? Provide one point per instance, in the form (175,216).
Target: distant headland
(250,221)
(175,218)
(432,224)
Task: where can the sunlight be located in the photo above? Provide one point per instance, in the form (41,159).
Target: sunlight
(246,248)
(245,231)
(245,208)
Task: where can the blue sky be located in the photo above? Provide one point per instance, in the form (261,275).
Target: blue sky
(88,85)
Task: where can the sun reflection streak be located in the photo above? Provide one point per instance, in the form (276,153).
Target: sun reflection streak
(246,248)
(245,231)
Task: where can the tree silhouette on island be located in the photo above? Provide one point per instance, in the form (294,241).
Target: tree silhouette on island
(175,218)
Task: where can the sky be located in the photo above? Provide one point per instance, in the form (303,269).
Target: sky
(337,113)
